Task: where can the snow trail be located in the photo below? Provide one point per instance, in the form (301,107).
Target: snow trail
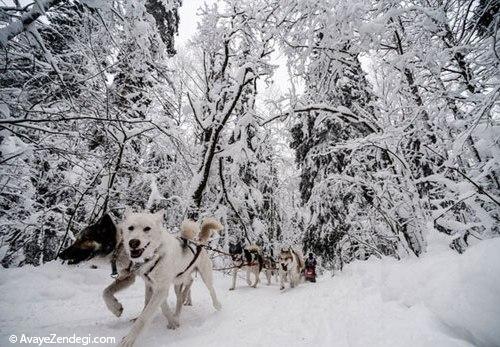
(441,299)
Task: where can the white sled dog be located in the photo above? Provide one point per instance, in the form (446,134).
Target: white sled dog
(164,260)
(291,266)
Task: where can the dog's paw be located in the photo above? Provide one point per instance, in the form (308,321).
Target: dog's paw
(116,309)
(217,306)
(282,288)
(173,324)
(127,341)
(232,288)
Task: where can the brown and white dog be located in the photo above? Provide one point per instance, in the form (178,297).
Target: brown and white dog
(249,259)
(291,266)
(163,261)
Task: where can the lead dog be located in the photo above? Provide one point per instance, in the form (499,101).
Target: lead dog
(163,261)
(102,239)
(249,259)
(291,266)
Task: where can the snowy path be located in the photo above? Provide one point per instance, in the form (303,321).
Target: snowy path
(440,300)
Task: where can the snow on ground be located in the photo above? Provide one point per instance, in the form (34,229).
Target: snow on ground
(442,299)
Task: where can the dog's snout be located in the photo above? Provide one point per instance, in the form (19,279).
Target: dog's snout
(134,243)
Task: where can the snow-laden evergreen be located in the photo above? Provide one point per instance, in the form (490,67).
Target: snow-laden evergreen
(384,131)
(364,131)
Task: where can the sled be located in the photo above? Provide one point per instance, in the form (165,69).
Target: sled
(310,274)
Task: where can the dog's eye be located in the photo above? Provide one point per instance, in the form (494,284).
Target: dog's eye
(131,228)
(147,229)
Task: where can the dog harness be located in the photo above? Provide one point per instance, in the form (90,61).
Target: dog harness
(133,267)
(196,254)
(114,256)
(243,260)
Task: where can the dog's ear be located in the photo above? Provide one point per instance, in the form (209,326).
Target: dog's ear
(106,222)
(128,212)
(159,215)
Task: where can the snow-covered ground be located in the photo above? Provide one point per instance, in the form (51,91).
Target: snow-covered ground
(441,299)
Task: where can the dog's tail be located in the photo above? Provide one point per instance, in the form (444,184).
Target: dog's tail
(300,259)
(189,229)
(208,227)
(253,248)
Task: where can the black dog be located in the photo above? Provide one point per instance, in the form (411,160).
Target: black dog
(99,239)
(249,258)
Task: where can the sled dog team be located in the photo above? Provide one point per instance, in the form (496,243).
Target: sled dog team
(290,264)
(140,247)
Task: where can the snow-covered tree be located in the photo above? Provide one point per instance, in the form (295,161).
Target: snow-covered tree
(62,124)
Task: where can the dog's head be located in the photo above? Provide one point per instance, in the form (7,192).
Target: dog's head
(141,234)
(269,263)
(268,251)
(285,258)
(96,239)
(235,250)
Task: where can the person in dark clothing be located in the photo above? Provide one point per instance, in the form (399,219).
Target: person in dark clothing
(310,270)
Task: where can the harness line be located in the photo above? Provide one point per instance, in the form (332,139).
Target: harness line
(186,242)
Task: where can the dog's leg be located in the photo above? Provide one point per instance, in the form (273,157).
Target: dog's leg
(158,296)
(249,281)
(179,295)
(187,298)
(235,274)
(148,290)
(186,293)
(293,280)
(282,279)
(120,283)
(205,270)
(147,294)
(173,322)
(269,273)
(179,292)
(256,272)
